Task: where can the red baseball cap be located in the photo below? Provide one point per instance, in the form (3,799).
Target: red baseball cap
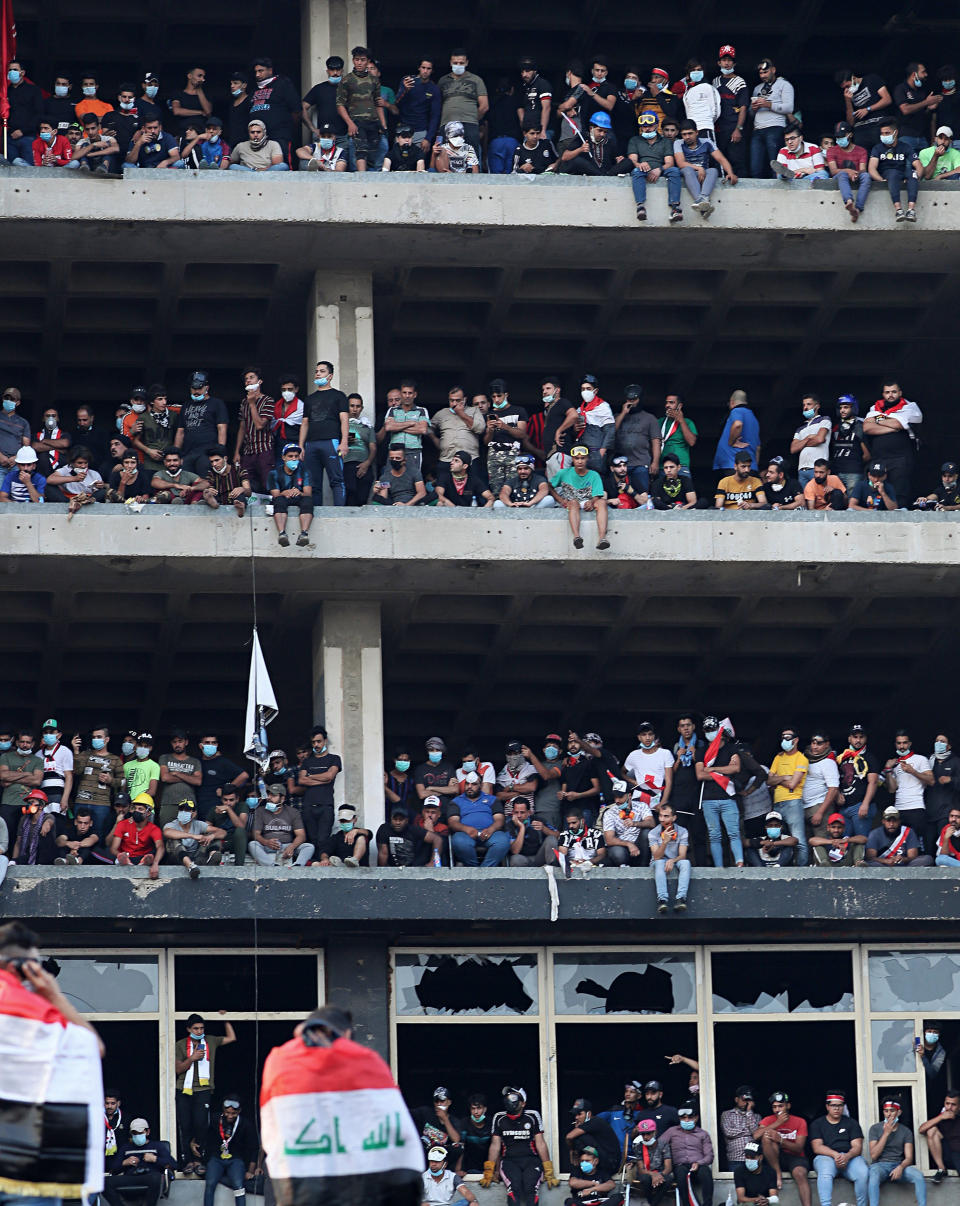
(835,817)
(727,52)
(660,71)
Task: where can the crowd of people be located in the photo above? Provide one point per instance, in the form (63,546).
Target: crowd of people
(708,124)
(704,798)
(586,455)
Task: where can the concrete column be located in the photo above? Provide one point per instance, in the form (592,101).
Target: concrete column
(356,973)
(329,27)
(348,701)
(340,329)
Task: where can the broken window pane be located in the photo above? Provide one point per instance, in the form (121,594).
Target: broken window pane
(466,984)
(105,985)
(624,983)
(892,1044)
(782,982)
(915,980)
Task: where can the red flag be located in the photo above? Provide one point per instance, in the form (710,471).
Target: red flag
(8,51)
(711,756)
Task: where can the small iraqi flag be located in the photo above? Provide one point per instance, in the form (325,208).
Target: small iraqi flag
(336,1129)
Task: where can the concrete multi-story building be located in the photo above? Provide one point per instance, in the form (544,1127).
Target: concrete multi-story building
(392,627)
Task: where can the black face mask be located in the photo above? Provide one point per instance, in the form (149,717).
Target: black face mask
(396,464)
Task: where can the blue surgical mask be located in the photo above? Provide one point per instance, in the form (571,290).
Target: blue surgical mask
(648,743)
(786,745)
(119,421)
(939,747)
(127,747)
(931,1038)
(808,414)
(151,91)
(917,81)
(97,743)
(346,826)
(687,1123)
(326,143)
(139,1138)
(435,756)
(470,766)
(293,466)
(5,745)
(46,135)
(726,70)
(773,831)
(91,90)
(49,739)
(184,817)
(402,764)
(208,750)
(320,381)
(649,135)
(887,139)
(126,106)
(236,92)
(214,139)
(271,807)
(631,85)
(595,80)
(60,90)
(551,752)
(843,141)
(949,85)
(9,405)
(458,68)
(334,79)
(586,1166)
(13,76)
(696,77)
(196,397)
(752,1165)
(143,751)
(253,801)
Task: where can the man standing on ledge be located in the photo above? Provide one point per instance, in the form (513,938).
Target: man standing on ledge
(335,1129)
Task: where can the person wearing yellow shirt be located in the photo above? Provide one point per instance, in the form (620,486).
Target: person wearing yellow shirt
(787,773)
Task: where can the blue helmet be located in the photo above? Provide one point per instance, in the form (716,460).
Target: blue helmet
(851,401)
(602,120)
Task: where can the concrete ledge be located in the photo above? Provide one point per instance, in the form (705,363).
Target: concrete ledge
(441,898)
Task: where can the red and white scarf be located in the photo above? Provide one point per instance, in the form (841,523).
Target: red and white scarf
(898,843)
(713,749)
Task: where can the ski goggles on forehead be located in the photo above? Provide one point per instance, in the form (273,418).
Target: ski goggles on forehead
(648,120)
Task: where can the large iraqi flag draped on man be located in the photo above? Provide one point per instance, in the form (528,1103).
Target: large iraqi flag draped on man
(336,1130)
(51,1099)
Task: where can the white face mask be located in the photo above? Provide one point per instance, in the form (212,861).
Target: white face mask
(138,408)
(456,140)
(588,395)
(458,68)
(252,388)
(288,395)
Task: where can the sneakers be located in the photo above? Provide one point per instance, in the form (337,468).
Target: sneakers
(939,1175)
(680,905)
(193,871)
(216,857)
(351,862)
(706,208)
(898,214)
(59,862)
(303,540)
(603,544)
(676,214)
(641,213)
(72,860)
(662,906)
(911,215)
(780,169)
(578,542)
(283,539)
(335,861)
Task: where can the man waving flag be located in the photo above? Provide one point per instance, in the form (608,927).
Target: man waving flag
(336,1131)
(51,1086)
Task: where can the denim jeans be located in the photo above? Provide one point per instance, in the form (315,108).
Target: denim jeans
(500,153)
(700,192)
(857,1170)
(850,480)
(322,455)
(672,177)
(856,825)
(947,860)
(880,1172)
(20,150)
(274,167)
(465,849)
(229,1171)
(101,814)
(895,181)
(846,188)
(792,813)
(727,812)
(683,880)
(804,476)
(764,146)
(640,477)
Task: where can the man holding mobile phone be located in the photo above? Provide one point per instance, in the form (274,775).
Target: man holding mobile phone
(419,101)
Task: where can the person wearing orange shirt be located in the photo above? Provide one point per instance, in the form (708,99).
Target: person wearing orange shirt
(825,491)
(90,102)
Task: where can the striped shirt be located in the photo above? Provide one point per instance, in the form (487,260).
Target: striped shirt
(257,441)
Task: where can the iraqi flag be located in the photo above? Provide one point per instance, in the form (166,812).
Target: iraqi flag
(51,1099)
(336,1130)
(710,757)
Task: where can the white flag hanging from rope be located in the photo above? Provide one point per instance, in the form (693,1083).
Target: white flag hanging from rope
(261,704)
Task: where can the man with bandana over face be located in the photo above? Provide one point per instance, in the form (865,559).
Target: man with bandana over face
(518,1138)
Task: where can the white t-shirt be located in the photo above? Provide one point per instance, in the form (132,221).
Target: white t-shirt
(484,770)
(91,479)
(910,789)
(821,776)
(649,770)
(816,451)
(441,1192)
